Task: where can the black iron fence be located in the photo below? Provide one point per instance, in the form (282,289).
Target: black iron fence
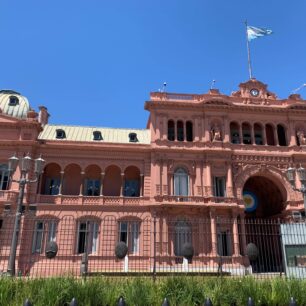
(88,245)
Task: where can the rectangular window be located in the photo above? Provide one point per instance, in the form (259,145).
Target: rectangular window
(129,233)
(295,255)
(224,242)
(131,188)
(88,233)
(52,186)
(219,186)
(43,229)
(4,177)
(92,187)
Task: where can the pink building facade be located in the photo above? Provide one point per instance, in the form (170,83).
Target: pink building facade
(202,158)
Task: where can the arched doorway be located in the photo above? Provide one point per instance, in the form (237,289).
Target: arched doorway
(264,202)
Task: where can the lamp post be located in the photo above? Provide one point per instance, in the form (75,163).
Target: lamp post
(301,172)
(25,166)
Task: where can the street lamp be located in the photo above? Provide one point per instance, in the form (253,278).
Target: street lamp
(25,166)
(301,172)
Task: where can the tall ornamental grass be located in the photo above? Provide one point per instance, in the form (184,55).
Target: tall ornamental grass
(180,290)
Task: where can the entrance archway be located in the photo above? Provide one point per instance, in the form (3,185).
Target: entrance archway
(264,201)
(263,198)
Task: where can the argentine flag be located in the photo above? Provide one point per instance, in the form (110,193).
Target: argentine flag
(254,32)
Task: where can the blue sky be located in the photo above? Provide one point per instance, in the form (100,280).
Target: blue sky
(95,62)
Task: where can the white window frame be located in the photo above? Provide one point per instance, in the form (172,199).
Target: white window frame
(183,234)
(91,183)
(91,232)
(219,191)
(52,185)
(224,250)
(132,231)
(43,235)
(4,177)
(179,176)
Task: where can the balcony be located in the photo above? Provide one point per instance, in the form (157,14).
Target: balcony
(197,200)
(8,195)
(90,200)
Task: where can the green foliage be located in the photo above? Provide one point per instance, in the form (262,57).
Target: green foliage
(180,290)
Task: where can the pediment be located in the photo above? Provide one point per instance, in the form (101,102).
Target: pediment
(254,89)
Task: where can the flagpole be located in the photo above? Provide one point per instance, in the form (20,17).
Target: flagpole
(248,48)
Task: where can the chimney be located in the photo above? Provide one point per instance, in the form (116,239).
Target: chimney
(43,115)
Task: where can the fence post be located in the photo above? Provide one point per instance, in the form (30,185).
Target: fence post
(292,302)
(73,302)
(165,302)
(208,302)
(121,302)
(250,302)
(154,246)
(27,303)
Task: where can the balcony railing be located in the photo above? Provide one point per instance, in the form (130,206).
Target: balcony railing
(195,199)
(90,200)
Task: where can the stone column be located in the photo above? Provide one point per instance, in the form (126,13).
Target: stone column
(40,182)
(229,181)
(252,134)
(141,185)
(275,135)
(226,137)
(122,184)
(165,128)
(235,236)
(207,130)
(60,188)
(175,130)
(102,183)
(213,228)
(208,180)
(82,183)
(196,132)
(240,133)
(264,135)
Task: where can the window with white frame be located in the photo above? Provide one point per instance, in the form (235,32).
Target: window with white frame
(44,232)
(52,185)
(182,235)
(92,187)
(87,236)
(219,186)
(4,177)
(131,188)
(129,233)
(181,182)
(224,241)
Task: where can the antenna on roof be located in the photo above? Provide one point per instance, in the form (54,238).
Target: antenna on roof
(299,88)
(213,84)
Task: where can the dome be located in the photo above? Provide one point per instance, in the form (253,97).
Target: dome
(13,104)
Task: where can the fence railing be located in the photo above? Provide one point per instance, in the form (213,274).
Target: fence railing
(155,246)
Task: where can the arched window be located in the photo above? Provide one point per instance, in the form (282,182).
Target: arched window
(181,186)
(171,130)
(235,137)
(270,135)
(182,235)
(4,177)
(189,131)
(281,135)
(258,134)
(180,130)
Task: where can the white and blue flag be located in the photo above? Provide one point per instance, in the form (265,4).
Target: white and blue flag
(254,32)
